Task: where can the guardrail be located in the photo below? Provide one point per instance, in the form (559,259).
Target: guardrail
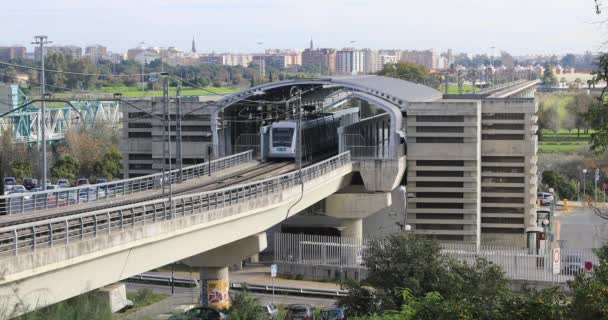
(35,201)
(29,237)
(317,292)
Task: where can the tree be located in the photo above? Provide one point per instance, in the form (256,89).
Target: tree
(596,115)
(578,108)
(413,262)
(21,169)
(549,78)
(109,165)
(569,60)
(405,70)
(65,167)
(244,306)
(563,188)
(590,290)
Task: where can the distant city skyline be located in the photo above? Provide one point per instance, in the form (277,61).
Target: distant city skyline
(520,27)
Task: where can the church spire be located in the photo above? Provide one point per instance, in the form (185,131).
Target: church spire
(193,46)
(311,45)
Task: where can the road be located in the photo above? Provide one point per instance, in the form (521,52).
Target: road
(186,297)
(581,228)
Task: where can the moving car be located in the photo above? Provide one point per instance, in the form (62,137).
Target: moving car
(10,181)
(200,313)
(545,198)
(101,180)
(333,313)
(300,312)
(82,182)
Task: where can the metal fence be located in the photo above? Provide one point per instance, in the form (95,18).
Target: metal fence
(517,263)
(24,238)
(35,201)
(361,149)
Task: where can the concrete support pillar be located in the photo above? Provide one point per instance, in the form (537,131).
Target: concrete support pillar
(352,228)
(215,284)
(255,258)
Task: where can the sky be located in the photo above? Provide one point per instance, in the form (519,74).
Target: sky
(473,26)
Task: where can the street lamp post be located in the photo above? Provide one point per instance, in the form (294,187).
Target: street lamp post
(584,183)
(42,40)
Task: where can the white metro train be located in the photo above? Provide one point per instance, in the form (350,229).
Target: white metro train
(319,135)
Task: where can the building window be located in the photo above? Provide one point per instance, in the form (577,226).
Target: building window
(503,126)
(502,169)
(503,159)
(140,156)
(440,129)
(439,216)
(439,174)
(502,190)
(140,125)
(421,118)
(439,205)
(503,116)
(503,230)
(138,115)
(503,179)
(502,210)
(140,166)
(440,163)
(439,227)
(502,137)
(439,184)
(501,200)
(502,220)
(439,140)
(443,195)
(140,134)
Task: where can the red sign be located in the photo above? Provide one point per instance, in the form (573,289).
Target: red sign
(588,265)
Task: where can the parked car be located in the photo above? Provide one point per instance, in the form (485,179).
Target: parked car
(101,180)
(10,181)
(82,182)
(333,313)
(21,189)
(545,198)
(200,313)
(7,189)
(52,187)
(300,312)
(63,183)
(270,311)
(28,183)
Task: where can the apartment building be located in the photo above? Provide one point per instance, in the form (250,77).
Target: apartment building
(142,142)
(95,52)
(350,61)
(471,170)
(425,58)
(74,52)
(12,53)
(325,58)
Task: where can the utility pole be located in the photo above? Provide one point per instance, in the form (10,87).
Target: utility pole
(178,133)
(167,144)
(42,40)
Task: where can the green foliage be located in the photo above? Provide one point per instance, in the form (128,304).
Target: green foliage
(405,70)
(549,77)
(596,116)
(590,290)
(109,165)
(563,188)
(21,169)
(65,167)
(86,306)
(244,306)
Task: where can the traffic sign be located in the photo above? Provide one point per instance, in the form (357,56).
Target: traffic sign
(588,265)
(597,174)
(273,270)
(556,256)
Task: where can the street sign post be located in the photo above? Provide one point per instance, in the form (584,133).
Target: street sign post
(273,274)
(556,256)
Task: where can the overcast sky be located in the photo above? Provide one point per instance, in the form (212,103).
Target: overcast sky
(517,26)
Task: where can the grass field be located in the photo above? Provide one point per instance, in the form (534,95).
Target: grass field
(137,92)
(563,141)
(453,88)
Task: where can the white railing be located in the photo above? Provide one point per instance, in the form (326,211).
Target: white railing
(517,263)
(25,238)
(35,201)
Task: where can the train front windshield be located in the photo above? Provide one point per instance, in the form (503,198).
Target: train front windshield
(282,137)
